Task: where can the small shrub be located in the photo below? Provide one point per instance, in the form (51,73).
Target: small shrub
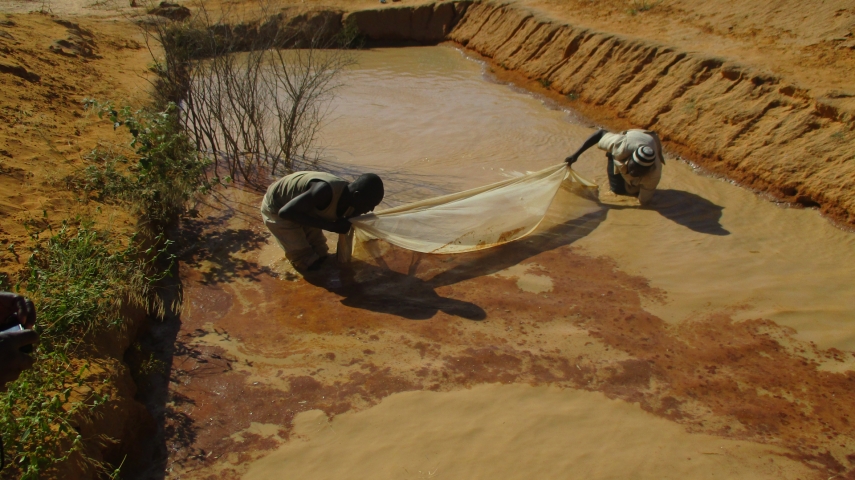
(640,6)
(38,414)
(79,279)
(545,83)
(350,36)
(277,91)
(167,173)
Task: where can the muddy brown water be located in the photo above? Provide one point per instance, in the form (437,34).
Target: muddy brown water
(708,336)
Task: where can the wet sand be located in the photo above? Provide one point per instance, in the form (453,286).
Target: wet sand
(511,431)
(695,340)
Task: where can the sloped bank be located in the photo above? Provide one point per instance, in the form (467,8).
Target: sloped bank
(758,129)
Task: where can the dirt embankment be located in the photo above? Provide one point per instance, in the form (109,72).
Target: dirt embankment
(723,89)
(48,66)
(788,134)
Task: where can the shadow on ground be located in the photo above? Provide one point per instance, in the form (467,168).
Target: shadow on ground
(377,286)
(213,249)
(689,210)
(369,287)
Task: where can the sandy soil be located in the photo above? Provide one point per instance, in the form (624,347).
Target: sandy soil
(46,132)
(765,130)
(48,65)
(276,375)
(810,44)
(45,129)
(511,432)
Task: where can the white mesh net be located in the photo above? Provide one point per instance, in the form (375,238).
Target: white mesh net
(476,219)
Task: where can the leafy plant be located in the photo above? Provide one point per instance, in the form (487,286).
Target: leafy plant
(79,278)
(168,170)
(350,36)
(38,414)
(639,6)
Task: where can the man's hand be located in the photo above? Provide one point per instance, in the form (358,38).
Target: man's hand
(588,143)
(12,360)
(14,310)
(341,226)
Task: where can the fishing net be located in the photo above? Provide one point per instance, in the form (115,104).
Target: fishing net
(474,219)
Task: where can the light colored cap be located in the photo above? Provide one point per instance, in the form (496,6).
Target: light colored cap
(644,156)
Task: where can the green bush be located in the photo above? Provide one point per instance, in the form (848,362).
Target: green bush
(168,170)
(37,416)
(79,278)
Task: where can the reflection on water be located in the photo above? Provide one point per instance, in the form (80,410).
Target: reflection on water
(426,121)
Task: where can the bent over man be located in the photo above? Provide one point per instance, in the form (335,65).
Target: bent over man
(634,161)
(298,206)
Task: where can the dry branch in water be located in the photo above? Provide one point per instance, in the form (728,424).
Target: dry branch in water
(254,94)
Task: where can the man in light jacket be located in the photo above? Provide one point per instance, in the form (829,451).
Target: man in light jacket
(634,161)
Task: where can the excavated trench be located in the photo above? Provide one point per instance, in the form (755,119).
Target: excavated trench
(753,127)
(707,336)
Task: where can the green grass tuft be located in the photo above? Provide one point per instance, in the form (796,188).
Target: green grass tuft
(168,169)
(79,278)
(640,6)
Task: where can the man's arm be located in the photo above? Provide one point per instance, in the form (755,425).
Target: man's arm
(590,142)
(300,208)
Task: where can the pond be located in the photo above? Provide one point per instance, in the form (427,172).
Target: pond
(706,335)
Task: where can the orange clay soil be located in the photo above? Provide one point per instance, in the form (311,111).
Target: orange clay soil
(48,66)
(272,345)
